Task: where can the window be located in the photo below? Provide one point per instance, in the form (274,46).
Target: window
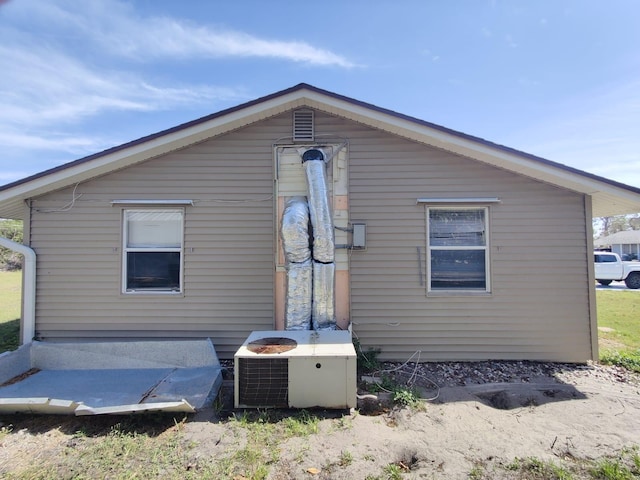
(457,247)
(604,258)
(152,251)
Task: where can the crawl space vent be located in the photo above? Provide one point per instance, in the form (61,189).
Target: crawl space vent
(303,126)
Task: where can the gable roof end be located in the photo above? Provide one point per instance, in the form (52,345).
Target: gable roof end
(609,197)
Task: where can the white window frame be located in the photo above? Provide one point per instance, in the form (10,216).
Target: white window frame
(485,247)
(126,250)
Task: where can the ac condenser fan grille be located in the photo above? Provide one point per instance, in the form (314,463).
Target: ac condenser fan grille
(263,382)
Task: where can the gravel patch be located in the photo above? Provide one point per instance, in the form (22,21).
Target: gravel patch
(456,374)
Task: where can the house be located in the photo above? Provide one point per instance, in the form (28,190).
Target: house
(445,244)
(626,244)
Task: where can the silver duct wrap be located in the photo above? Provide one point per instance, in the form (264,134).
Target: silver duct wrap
(298,302)
(319,211)
(295,230)
(323,314)
(310,286)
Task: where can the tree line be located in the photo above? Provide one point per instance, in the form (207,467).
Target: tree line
(11,229)
(604,226)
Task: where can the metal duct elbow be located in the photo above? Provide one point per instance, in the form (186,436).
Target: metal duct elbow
(294,230)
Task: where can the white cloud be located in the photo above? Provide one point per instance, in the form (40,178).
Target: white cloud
(46,87)
(122,31)
(170,38)
(60,56)
(53,141)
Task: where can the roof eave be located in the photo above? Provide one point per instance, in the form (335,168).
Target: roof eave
(609,197)
(13,195)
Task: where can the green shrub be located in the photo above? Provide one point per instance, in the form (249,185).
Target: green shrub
(628,360)
(367,361)
(408,397)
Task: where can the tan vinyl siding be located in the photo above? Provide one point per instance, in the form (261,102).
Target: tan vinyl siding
(228,247)
(538,307)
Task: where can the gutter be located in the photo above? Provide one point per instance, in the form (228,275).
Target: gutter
(28,323)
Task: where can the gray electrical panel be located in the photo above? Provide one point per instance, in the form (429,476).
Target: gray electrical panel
(359,240)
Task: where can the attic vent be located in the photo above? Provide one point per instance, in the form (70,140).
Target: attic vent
(303,126)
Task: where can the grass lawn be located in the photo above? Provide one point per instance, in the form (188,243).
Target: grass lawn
(619,328)
(620,312)
(10,287)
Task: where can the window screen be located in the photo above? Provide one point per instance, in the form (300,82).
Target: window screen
(457,246)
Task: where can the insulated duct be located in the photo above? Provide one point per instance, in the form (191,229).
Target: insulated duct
(319,211)
(323,314)
(323,251)
(295,230)
(298,303)
(310,270)
(295,243)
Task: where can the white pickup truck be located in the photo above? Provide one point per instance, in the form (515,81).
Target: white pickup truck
(609,268)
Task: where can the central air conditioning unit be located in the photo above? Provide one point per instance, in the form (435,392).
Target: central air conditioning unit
(296,369)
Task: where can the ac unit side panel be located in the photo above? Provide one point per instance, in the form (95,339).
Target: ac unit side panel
(328,382)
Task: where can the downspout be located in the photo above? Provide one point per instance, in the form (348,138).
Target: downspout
(29,288)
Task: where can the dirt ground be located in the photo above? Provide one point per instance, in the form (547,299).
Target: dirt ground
(582,413)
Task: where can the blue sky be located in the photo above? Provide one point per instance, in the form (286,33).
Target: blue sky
(555,78)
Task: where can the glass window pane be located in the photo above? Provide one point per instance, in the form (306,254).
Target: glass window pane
(455,269)
(155,228)
(457,228)
(153,270)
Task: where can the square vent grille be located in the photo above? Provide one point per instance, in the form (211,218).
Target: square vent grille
(303,128)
